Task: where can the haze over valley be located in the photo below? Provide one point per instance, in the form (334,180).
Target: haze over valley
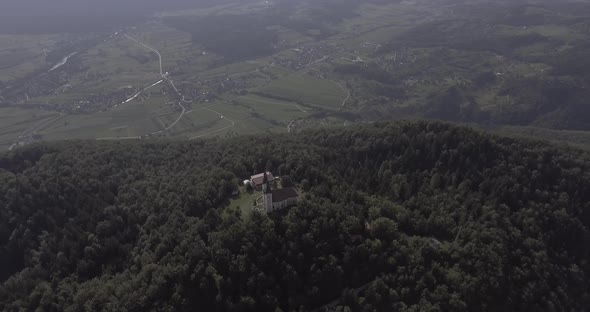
(294,155)
(89,70)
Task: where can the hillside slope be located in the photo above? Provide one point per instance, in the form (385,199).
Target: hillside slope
(394,216)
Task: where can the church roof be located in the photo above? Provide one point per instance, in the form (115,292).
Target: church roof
(257,179)
(283,194)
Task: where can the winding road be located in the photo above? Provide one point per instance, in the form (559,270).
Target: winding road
(166,77)
(149,48)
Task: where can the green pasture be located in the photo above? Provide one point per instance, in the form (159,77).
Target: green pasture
(307,90)
(274,109)
(15,121)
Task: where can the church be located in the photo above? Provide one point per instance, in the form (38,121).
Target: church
(278,199)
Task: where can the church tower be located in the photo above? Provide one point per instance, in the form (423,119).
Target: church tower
(267,191)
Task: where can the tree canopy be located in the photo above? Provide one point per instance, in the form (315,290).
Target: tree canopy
(400,216)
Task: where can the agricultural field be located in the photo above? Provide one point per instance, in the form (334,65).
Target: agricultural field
(15,122)
(131,120)
(307,90)
(273,69)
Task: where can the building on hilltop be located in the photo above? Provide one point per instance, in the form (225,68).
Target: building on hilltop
(278,199)
(258,180)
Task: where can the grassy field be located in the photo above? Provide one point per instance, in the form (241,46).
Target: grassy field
(114,64)
(229,70)
(132,119)
(306,89)
(196,122)
(245,201)
(135,120)
(247,120)
(14,122)
(281,111)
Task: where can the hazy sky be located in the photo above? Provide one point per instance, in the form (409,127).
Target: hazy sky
(43,7)
(47,16)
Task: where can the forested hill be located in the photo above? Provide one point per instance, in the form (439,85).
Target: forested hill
(397,216)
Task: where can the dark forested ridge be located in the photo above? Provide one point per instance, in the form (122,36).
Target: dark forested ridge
(403,216)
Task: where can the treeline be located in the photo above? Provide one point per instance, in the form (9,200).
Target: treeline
(394,216)
(251,35)
(467,34)
(464,47)
(554,103)
(235,37)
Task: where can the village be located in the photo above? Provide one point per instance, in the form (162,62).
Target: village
(306,55)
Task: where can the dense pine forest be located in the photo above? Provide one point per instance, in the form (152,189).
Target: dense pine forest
(408,216)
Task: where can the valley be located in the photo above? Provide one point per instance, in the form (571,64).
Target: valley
(294,155)
(281,67)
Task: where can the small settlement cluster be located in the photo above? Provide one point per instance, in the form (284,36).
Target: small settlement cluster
(273,199)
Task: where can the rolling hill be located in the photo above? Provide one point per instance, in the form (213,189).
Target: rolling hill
(394,216)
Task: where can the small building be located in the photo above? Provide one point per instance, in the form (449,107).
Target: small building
(258,180)
(278,199)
